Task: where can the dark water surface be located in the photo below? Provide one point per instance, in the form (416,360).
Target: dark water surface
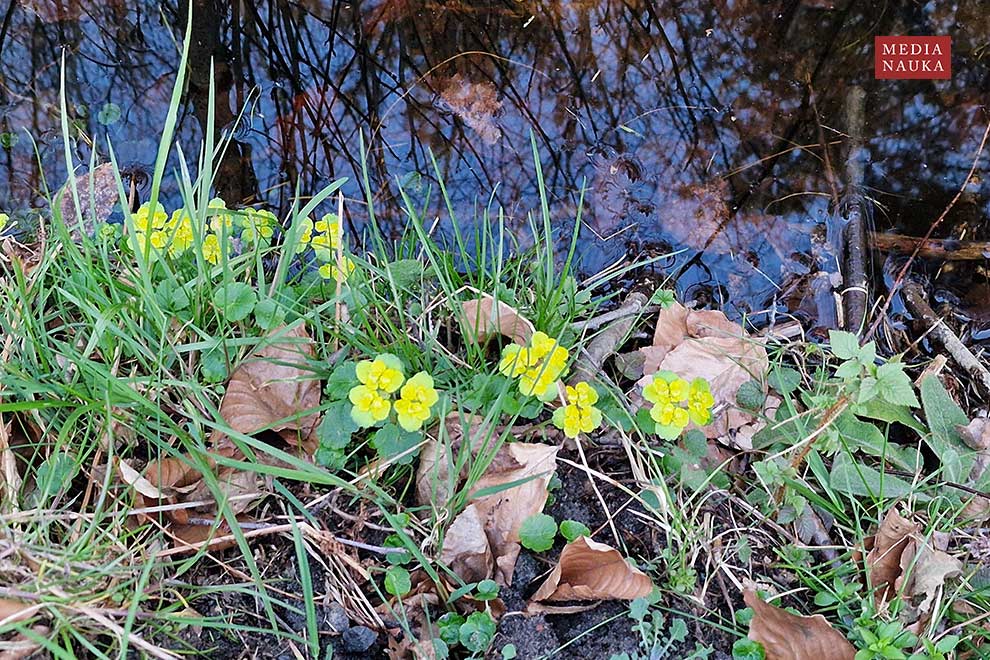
(693,125)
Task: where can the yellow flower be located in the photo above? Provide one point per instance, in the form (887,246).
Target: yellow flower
(4,219)
(330,225)
(657,391)
(258,223)
(700,402)
(180,226)
(211,249)
(667,414)
(678,390)
(582,394)
(305,235)
(537,366)
(382,373)
(220,220)
(370,407)
(145,221)
(323,246)
(416,398)
(329,271)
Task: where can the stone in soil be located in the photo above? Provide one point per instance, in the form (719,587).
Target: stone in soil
(358,639)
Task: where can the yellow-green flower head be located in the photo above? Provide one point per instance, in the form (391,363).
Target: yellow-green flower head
(538,366)
(370,407)
(330,225)
(181,228)
(146,221)
(305,235)
(211,249)
(700,402)
(574,419)
(383,373)
(258,223)
(324,246)
(416,399)
(330,271)
(515,360)
(582,394)
(657,391)
(4,220)
(667,414)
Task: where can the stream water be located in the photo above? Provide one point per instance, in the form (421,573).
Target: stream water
(695,127)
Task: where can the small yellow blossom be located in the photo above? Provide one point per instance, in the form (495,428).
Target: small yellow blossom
(579,415)
(700,402)
(145,221)
(416,399)
(667,414)
(258,223)
(383,373)
(370,407)
(329,271)
(4,219)
(305,235)
(211,248)
(538,366)
(221,220)
(181,228)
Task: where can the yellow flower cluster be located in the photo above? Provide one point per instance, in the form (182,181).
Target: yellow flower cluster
(379,379)
(537,366)
(4,219)
(257,224)
(676,402)
(326,238)
(579,414)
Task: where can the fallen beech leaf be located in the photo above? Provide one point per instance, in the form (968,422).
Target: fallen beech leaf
(924,572)
(589,570)
(705,344)
(465,547)
(787,636)
(272,385)
(884,559)
(486,316)
(133,478)
(14,610)
(476,103)
(976,435)
(501,513)
(434,482)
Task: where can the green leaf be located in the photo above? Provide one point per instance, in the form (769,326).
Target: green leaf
(54,474)
(268,314)
(477,632)
(391,440)
(449,626)
(869,388)
(849,369)
(747,649)
(108,114)
(341,380)
(784,379)
(537,532)
(509,652)
(335,431)
(853,478)
(397,581)
(943,415)
(213,365)
(888,412)
(406,272)
(572,529)
(487,590)
(750,395)
(845,345)
(235,300)
(331,459)
(895,386)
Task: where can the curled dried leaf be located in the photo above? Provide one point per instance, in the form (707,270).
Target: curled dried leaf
(787,636)
(884,559)
(485,316)
(271,388)
(589,570)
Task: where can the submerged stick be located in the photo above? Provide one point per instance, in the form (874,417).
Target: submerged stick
(856,293)
(914,298)
(933,248)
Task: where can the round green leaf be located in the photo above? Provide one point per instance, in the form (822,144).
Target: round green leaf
(235,300)
(397,581)
(536,532)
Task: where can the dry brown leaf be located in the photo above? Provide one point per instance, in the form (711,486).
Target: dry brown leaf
(272,385)
(787,636)
(705,344)
(21,646)
(485,316)
(924,572)
(14,610)
(501,514)
(433,479)
(884,559)
(465,547)
(588,570)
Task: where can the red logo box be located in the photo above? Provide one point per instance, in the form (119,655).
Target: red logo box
(912,58)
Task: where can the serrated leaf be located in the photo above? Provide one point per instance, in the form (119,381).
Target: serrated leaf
(895,386)
(885,411)
(406,272)
(335,431)
(849,369)
(784,379)
(391,441)
(341,380)
(845,345)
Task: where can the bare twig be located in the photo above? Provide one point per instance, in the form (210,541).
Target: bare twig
(856,293)
(933,248)
(914,298)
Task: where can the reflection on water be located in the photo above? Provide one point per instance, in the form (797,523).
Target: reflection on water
(692,124)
